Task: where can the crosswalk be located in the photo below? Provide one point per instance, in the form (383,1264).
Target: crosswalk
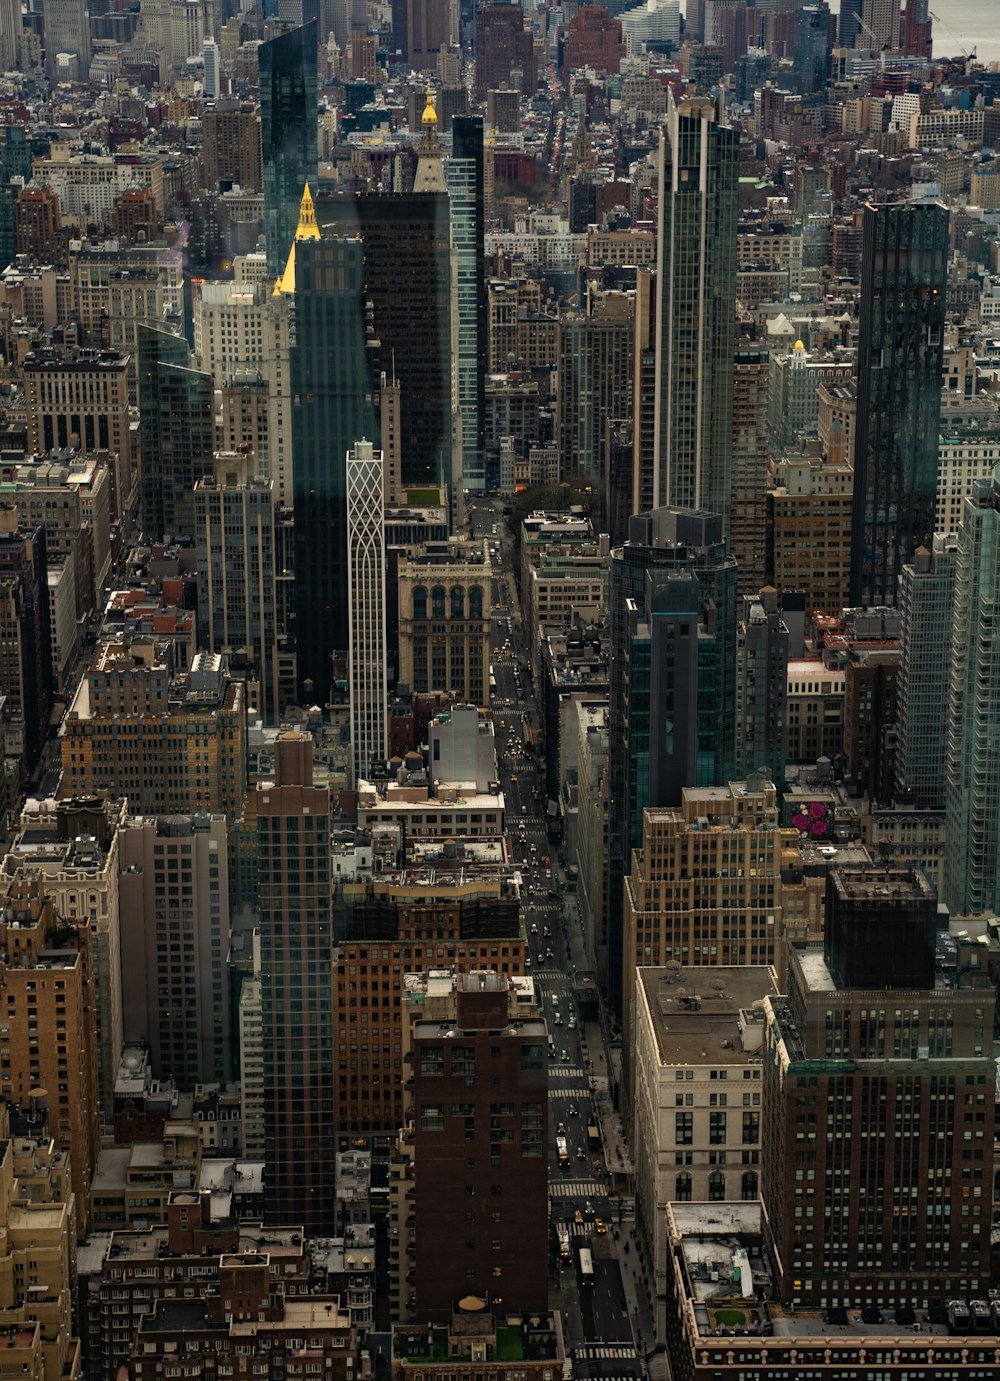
(593,1352)
(582,1090)
(565,1072)
(575,1189)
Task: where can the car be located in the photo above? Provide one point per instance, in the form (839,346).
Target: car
(572,1023)
(573,1110)
(588,1209)
(555,999)
(552,1053)
(557,1020)
(527,961)
(560,1129)
(513,779)
(581,1153)
(550,954)
(599,1227)
(534,928)
(578,1217)
(565,1057)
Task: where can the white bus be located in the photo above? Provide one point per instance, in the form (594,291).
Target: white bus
(586,1267)
(562,1152)
(562,1232)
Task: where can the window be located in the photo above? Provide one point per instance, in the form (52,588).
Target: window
(437,602)
(716,1185)
(682,1188)
(475,602)
(748,1185)
(419,602)
(684,1128)
(751,1128)
(457,602)
(717,1128)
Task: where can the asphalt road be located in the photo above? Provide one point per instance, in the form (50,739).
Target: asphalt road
(601,1312)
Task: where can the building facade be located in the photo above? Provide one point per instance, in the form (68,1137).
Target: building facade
(366,607)
(288,122)
(444,620)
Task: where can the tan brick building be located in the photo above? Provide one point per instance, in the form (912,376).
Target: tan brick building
(444,620)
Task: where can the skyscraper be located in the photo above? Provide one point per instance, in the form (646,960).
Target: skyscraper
(67,31)
(972,820)
(288,113)
(762,687)
(878,1090)
(672,586)
(464,171)
(696,287)
(177,428)
(926,603)
(26,679)
(505,53)
(879,23)
(904,279)
(748,520)
(331,409)
(366,607)
(292,819)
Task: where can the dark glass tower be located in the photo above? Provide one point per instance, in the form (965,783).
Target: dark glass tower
(177,427)
(407,281)
(672,704)
(904,277)
(288,111)
(331,410)
(466,193)
(696,309)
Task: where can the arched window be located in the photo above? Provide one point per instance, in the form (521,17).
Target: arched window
(437,602)
(475,602)
(419,602)
(457,602)
(716,1185)
(748,1189)
(682,1188)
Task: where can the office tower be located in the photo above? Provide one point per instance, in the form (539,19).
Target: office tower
(904,280)
(594,379)
(644,365)
(235,518)
(331,409)
(811,55)
(10,35)
(171,742)
(480,1115)
(81,399)
(366,661)
(210,61)
(877,1095)
(430,26)
(748,523)
(26,680)
(288,115)
(762,687)
(705,882)
(972,825)
(67,31)
(926,604)
(177,430)
(174,945)
(408,913)
(464,171)
(917,29)
(443,599)
(292,822)
(408,282)
(688,629)
(871,678)
(809,531)
(879,24)
(696,309)
(74,845)
(47,971)
(505,50)
(849,33)
(231,148)
(36,225)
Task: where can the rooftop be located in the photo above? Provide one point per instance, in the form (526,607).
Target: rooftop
(704,1015)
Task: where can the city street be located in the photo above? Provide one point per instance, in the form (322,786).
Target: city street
(613,1312)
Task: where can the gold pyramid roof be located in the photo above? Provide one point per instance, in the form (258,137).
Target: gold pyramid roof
(307,229)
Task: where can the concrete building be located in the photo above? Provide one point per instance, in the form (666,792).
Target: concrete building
(706,886)
(810,506)
(794,381)
(592,823)
(832,1086)
(968,450)
(179,740)
(230,133)
(748,523)
(695,1097)
(51,1035)
(174,943)
(26,680)
(38,1254)
(395,925)
(473,1335)
(75,846)
(499,1173)
(815,710)
(444,620)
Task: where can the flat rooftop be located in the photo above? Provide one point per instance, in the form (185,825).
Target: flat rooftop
(696,1011)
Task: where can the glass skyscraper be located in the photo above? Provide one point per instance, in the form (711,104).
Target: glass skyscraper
(904,280)
(177,427)
(288,114)
(331,410)
(696,288)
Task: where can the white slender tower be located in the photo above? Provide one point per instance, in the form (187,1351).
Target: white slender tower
(366,607)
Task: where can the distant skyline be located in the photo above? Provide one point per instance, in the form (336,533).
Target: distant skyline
(961,26)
